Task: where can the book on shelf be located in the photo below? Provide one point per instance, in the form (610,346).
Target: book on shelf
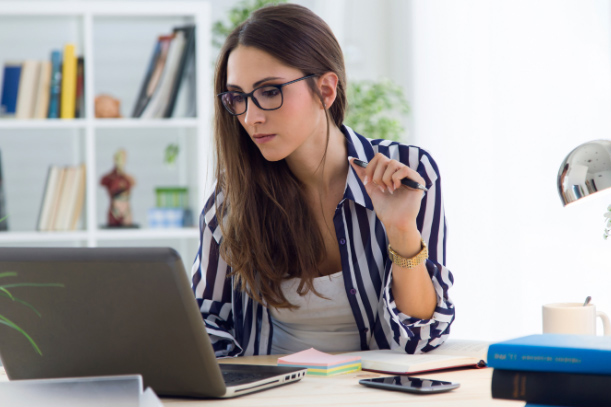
(454,353)
(187,57)
(55,85)
(43,87)
(551,388)
(10,89)
(68,83)
(153,74)
(553,353)
(169,66)
(157,105)
(63,198)
(79,103)
(26,97)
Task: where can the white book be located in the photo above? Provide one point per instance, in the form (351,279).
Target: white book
(72,195)
(81,180)
(43,91)
(48,197)
(67,194)
(159,102)
(452,354)
(28,84)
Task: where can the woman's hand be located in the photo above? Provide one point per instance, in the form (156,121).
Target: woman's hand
(396,205)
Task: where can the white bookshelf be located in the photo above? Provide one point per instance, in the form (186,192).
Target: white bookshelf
(116,39)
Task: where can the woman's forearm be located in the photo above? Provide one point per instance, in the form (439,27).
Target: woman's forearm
(412,288)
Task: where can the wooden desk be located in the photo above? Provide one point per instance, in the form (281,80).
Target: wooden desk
(344,390)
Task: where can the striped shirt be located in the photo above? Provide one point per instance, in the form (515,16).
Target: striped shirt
(239,326)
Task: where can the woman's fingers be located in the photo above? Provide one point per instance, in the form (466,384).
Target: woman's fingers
(385,173)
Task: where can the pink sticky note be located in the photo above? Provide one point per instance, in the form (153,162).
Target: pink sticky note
(313,357)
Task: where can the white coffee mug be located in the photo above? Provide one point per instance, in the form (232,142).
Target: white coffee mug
(573,318)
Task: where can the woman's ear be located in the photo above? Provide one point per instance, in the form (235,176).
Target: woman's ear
(327,85)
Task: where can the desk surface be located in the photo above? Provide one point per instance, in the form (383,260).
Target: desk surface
(344,390)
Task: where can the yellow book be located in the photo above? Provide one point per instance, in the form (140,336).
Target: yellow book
(68,92)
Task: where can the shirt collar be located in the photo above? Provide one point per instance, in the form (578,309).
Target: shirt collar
(361,148)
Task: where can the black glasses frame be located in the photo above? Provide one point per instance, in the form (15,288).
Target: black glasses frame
(254,99)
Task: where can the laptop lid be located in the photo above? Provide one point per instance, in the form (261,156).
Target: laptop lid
(120,311)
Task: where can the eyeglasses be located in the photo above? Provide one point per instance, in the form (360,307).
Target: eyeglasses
(266,97)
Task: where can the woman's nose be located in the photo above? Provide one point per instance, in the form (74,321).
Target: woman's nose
(254,115)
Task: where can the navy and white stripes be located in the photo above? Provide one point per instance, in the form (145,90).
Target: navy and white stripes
(238,325)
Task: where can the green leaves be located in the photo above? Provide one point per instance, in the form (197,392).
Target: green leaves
(4,292)
(237,15)
(375,109)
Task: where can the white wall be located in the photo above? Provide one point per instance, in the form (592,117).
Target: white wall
(501,92)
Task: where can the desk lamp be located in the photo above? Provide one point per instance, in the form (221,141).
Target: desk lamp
(585,171)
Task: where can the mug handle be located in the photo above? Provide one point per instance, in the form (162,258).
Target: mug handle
(606,323)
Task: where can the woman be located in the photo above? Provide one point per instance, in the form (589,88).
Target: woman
(295,239)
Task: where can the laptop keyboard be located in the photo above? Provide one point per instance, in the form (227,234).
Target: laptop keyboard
(236,377)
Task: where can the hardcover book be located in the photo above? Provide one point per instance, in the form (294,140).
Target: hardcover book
(187,54)
(553,353)
(68,85)
(551,388)
(153,74)
(55,86)
(10,88)
(452,354)
(157,105)
(26,97)
(41,107)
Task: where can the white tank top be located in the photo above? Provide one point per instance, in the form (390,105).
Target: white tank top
(324,324)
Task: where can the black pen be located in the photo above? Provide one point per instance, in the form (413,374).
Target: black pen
(405,181)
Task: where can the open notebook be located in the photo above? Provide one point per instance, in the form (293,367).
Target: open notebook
(452,354)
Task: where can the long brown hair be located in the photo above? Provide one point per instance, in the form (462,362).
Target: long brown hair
(269,231)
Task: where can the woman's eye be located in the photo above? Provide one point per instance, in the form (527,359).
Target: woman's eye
(270,92)
(237,98)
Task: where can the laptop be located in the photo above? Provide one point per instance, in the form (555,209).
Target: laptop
(120,311)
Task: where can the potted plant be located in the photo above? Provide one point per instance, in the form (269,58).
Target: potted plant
(4,292)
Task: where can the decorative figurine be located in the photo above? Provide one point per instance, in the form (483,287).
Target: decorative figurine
(119,185)
(107,107)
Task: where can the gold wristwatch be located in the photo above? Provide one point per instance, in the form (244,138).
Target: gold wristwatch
(411,262)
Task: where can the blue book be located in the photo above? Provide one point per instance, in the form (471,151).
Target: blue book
(56,84)
(10,88)
(553,353)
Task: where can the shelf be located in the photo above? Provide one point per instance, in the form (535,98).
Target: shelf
(37,237)
(115,37)
(147,234)
(144,123)
(100,235)
(42,124)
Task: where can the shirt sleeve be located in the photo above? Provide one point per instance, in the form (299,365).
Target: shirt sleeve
(211,286)
(422,335)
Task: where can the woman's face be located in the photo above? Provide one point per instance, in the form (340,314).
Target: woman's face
(277,133)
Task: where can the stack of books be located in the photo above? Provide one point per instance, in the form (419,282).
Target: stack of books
(64,198)
(51,89)
(553,370)
(322,364)
(172,62)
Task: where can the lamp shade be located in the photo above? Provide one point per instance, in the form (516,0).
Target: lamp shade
(585,171)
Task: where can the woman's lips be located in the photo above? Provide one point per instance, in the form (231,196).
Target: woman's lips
(263,138)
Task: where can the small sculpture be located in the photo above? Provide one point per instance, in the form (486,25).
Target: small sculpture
(119,185)
(107,107)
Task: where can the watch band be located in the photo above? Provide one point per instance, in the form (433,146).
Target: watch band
(411,262)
